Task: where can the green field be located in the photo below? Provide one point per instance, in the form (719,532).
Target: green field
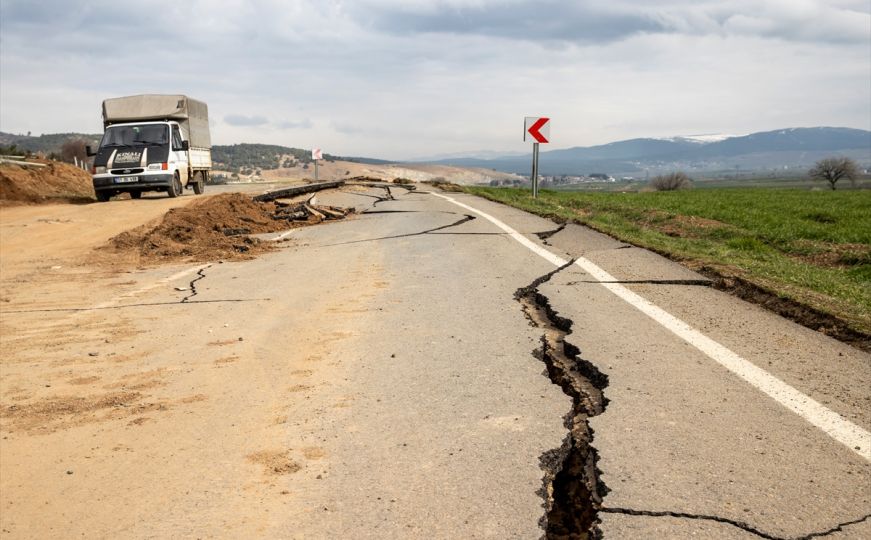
(812,247)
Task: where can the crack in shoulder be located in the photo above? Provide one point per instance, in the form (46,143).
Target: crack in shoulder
(733,522)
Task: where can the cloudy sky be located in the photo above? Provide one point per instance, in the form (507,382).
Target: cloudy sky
(408,78)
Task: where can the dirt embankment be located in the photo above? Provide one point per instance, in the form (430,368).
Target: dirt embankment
(213,229)
(56,182)
(417,172)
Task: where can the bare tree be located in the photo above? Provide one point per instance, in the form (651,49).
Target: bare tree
(833,169)
(74,148)
(671,181)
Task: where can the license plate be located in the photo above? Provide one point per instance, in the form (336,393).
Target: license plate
(126,179)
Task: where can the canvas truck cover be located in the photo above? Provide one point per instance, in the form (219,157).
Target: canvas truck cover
(192,115)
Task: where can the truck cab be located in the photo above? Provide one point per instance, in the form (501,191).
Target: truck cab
(141,156)
(142,152)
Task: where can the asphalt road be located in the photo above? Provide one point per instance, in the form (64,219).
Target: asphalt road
(386,376)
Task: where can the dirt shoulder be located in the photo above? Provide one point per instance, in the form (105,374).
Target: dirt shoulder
(102,409)
(418,172)
(36,238)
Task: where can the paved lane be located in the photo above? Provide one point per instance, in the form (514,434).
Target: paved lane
(687,442)
(377,377)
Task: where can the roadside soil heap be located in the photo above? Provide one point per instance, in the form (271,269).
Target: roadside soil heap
(216,228)
(55,183)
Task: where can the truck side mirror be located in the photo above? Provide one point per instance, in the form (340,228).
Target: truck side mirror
(89,151)
(185,145)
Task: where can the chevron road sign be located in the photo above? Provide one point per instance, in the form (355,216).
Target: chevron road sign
(538,128)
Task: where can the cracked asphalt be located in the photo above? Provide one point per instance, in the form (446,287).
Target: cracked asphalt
(376,378)
(682,436)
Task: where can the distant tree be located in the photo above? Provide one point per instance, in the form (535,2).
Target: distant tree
(671,182)
(74,149)
(833,169)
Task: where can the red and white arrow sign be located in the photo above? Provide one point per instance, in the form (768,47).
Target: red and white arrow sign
(317,153)
(536,127)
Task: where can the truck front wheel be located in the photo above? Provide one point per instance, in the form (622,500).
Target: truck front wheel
(103,196)
(174,190)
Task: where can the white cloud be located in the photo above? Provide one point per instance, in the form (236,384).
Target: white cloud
(400,78)
(305,123)
(242,120)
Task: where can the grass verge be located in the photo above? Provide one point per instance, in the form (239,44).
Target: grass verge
(792,248)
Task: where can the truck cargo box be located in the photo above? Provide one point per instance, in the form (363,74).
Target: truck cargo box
(191,114)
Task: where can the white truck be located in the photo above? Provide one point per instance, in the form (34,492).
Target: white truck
(152,143)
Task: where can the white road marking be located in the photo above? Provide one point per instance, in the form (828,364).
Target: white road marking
(833,424)
(284,235)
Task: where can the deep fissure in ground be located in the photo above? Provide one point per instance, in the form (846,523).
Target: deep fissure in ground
(571,487)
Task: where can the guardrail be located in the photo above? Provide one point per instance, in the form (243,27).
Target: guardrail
(21,163)
(293,191)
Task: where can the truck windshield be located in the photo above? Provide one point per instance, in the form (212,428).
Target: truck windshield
(136,135)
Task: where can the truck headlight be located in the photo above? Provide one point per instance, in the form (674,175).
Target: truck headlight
(99,170)
(156,166)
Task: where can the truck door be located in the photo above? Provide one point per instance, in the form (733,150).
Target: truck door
(181,157)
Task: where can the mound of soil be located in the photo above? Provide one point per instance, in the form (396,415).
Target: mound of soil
(212,229)
(55,183)
(365,179)
(444,185)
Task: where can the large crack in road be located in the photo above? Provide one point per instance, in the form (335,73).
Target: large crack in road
(201,274)
(465,219)
(746,527)
(545,235)
(571,486)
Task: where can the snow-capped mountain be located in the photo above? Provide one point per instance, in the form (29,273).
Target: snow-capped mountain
(793,148)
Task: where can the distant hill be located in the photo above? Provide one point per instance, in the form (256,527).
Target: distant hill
(228,157)
(48,143)
(791,149)
(785,148)
(255,156)
(822,139)
(237,157)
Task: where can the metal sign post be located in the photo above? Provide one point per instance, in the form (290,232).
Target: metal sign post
(538,129)
(317,155)
(534,176)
